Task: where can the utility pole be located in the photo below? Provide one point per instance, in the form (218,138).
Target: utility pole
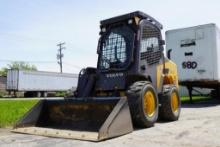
(60,55)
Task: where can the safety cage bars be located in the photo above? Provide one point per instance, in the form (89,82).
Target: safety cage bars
(114,52)
(150,48)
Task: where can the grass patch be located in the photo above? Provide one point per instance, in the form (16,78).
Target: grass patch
(12,110)
(186,100)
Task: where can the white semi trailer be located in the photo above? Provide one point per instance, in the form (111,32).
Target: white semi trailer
(38,83)
(196,51)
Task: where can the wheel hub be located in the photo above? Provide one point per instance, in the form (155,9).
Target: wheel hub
(174,102)
(149,103)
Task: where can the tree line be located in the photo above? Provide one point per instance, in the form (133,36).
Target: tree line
(17,65)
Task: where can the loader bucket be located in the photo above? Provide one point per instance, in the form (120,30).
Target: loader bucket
(92,119)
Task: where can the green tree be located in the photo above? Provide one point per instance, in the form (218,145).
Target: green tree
(18,66)
(3,71)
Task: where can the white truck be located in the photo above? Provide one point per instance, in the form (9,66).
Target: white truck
(38,83)
(196,51)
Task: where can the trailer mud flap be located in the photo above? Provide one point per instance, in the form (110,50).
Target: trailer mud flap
(93,119)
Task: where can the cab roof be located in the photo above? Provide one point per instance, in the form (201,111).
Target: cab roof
(128,16)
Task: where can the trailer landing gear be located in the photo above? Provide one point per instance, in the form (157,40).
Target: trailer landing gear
(190,93)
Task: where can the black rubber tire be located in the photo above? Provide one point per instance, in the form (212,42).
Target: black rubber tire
(165,111)
(135,95)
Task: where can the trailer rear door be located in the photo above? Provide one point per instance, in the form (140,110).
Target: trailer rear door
(192,49)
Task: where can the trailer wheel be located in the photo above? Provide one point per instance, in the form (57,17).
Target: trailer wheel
(170,105)
(143,103)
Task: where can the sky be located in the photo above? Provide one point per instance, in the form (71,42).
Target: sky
(31,29)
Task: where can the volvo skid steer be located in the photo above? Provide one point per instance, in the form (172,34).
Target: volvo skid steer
(133,83)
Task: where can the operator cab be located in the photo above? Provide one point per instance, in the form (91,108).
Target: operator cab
(119,41)
(128,45)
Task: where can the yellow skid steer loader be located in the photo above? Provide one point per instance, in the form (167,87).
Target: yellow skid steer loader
(133,83)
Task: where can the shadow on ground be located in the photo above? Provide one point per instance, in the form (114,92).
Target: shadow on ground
(202,103)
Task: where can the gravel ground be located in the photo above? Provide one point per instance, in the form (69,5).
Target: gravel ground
(199,125)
